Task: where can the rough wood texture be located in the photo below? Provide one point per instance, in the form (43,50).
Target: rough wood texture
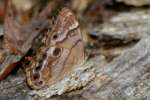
(135,2)
(125,77)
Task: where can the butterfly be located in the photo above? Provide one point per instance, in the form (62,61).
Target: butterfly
(61,49)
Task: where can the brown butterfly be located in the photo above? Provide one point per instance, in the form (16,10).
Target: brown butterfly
(61,50)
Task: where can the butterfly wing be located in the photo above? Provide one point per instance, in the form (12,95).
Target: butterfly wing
(64,50)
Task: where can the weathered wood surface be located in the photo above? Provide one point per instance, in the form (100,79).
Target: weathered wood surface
(135,2)
(126,76)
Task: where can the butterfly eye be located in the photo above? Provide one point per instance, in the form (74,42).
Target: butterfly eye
(56,52)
